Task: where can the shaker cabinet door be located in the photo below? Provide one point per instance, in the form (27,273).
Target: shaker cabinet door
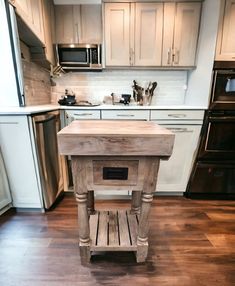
(48,20)
(148,34)
(31,13)
(180,33)
(78,24)
(37,18)
(5,197)
(18,151)
(186,33)
(173,174)
(91,24)
(23,8)
(168,33)
(226,36)
(117,34)
(65,30)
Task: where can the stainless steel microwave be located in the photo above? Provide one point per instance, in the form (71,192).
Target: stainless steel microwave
(73,57)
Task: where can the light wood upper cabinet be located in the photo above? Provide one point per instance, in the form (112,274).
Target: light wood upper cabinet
(133,34)
(180,35)
(23,8)
(44,55)
(152,34)
(37,18)
(30,12)
(90,24)
(78,24)
(65,26)
(48,21)
(148,34)
(226,36)
(117,34)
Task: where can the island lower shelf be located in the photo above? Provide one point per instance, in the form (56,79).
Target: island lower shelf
(114,230)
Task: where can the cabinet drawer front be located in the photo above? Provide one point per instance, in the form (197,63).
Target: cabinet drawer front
(83,114)
(177,114)
(125,114)
(115,173)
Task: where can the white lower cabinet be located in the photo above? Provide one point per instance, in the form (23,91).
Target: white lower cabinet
(186,125)
(5,196)
(19,158)
(174,173)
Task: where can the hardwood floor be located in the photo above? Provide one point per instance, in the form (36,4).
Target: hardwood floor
(191,243)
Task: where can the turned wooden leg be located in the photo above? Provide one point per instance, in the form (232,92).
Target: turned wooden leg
(136,202)
(84,231)
(142,236)
(91,203)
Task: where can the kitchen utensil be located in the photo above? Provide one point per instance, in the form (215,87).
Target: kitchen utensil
(151,92)
(126,98)
(138,93)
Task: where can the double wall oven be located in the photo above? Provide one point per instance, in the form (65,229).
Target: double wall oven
(213,174)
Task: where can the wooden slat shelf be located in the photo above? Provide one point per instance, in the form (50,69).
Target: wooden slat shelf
(114,230)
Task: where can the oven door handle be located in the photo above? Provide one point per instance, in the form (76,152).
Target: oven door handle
(223,118)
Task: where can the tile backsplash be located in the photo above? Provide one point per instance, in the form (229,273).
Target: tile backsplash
(97,86)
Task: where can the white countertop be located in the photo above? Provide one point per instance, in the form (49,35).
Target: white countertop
(28,109)
(49,107)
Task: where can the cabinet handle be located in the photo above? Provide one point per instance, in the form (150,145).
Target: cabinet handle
(180,130)
(176,57)
(125,115)
(169,56)
(83,114)
(132,54)
(177,115)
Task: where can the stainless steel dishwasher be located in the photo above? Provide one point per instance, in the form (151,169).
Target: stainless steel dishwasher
(46,126)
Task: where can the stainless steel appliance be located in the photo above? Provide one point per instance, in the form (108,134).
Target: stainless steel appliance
(213,174)
(218,136)
(46,127)
(223,89)
(73,57)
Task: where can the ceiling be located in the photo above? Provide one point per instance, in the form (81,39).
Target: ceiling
(74,2)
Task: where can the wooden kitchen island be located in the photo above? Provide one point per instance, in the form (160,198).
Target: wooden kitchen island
(114,155)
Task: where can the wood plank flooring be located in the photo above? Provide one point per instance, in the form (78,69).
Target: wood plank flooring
(191,243)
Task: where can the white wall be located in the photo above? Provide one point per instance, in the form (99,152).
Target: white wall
(199,80)
(8,93)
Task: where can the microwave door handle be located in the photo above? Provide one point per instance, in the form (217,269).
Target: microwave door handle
(98,54)
(87,55)
(90,57)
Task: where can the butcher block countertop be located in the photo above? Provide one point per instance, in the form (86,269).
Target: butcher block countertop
(116,138)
